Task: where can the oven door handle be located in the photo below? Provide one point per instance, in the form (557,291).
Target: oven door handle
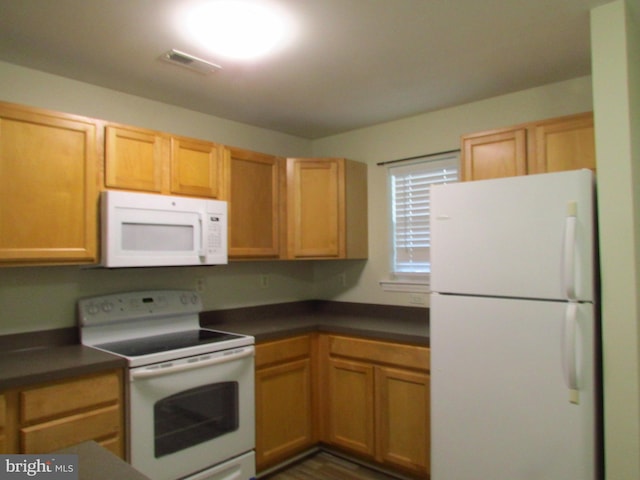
(156,372)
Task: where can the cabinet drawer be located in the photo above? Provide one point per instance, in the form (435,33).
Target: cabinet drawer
(63,398)
(408,356)
(282,350)
(93,425)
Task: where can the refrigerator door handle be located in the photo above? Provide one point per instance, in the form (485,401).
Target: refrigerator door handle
(569,251)
(569,354)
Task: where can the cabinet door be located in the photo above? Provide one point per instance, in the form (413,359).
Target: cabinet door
(402,419)
(315,208)
(283,411)
(350,406)
(567,143)
(134,159)
(500,153)
(48,187)
(196,168)
(254,186)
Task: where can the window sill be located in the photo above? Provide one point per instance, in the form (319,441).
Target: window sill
(405,286)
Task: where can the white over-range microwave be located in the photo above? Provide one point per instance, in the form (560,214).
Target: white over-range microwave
(149,230)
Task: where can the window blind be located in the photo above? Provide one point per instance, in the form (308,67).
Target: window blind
(410,204)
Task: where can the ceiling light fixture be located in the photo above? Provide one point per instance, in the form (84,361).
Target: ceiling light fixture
(238,29)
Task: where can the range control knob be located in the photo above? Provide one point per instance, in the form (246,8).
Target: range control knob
(106,306)
(92,309)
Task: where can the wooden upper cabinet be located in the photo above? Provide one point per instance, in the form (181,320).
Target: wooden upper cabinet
(553,145)
(196,168)
(150,161)
(499,153)
(134,159)
(326,208)
(254,182)
(48,187)
(315,193)
(566,143)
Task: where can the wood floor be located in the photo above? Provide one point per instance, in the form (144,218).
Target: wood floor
(324,466)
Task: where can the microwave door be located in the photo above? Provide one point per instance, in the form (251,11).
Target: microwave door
(155,237)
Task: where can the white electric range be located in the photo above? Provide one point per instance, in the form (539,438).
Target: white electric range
(190,391)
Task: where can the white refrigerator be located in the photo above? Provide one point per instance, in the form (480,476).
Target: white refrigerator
(514,330)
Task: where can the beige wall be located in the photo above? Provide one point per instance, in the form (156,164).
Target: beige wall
(615,34)
(39,89)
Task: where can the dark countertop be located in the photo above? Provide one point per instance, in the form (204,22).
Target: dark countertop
(382,322)
(38,357)
(44,364)
(97,463)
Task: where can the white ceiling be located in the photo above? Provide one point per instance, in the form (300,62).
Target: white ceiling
(354,63)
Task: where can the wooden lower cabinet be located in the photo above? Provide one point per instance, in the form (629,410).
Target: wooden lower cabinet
(402,418)
(376,404)
(48,417)
(350,412)
(284,402)
(366,398)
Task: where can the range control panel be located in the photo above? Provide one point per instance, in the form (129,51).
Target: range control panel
(133,305)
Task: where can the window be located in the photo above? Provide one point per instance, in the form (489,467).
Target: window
(409,185)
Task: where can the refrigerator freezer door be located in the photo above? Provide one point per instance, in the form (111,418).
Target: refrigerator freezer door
(501,408)
(523,237)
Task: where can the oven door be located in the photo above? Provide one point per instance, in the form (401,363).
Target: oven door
(189,414)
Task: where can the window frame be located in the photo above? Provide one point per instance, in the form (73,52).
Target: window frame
(443,165)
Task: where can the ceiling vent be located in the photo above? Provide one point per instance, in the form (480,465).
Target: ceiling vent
(189,61)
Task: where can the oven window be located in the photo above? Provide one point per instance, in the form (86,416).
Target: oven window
(195,416)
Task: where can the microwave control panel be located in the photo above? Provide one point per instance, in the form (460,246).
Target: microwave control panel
(215,231)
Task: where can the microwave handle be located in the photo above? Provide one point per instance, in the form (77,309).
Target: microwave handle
(203,235)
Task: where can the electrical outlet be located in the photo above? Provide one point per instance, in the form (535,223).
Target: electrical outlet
(264,281)
(342,279)
(201,285)
(417,299)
